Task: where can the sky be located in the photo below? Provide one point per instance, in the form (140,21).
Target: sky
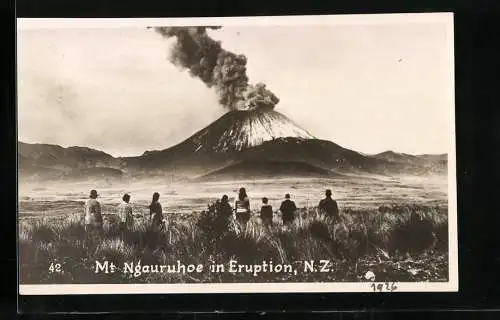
(369,88)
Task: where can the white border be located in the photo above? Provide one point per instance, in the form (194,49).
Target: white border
(262,21)
(451,286)
(305,287)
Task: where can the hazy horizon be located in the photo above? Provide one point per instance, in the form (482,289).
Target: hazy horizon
(369,88)
(135,155)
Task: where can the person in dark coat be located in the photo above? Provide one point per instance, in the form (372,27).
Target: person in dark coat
(266,212)
(288,209)
(224,212)
(329,207)
(155,212)
(224,209)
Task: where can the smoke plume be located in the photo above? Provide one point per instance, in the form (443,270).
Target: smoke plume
(217,68)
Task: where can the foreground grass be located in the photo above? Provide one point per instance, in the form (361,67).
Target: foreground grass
(383,241)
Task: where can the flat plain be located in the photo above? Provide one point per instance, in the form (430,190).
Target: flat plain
(376,234)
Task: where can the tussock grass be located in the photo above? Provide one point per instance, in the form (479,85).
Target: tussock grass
(397,243)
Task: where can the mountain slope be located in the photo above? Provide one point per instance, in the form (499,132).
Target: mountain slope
(321,153)
(267,169)
(56,156)
(48,161)
(317,153)
(431,163)
(396,157)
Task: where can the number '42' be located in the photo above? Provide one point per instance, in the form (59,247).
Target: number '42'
(55,267)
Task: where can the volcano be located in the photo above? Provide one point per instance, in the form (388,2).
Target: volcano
(242,129)
(241,141)
(221,143)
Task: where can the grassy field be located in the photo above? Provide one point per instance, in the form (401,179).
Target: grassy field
(382,240)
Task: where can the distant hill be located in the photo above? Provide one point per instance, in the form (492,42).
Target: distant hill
(267,169)
(431,163)
(50,155)
(48,161)
(320,153)
(396,157)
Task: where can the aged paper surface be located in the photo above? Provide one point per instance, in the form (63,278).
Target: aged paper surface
(245,154)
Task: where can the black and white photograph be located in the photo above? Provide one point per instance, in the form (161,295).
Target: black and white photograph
(233,155)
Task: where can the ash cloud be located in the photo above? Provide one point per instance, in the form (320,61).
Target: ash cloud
(218,68)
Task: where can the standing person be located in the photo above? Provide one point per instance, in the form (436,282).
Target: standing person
(266,213)
(242,208)
(125,215)
(224,212)
(224,209)
(93,217)
(329,207)
(155,212)
(288,209)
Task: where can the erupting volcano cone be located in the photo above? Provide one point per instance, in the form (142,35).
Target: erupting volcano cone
(238,130)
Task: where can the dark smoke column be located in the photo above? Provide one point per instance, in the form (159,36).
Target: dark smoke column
(217,68)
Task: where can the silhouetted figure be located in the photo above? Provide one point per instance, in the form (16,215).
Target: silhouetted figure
(242,207)
(125,215)
(223,214)
(155,212)
(329,207)
(93,217)
(224,210)
(288,209)
(266,213)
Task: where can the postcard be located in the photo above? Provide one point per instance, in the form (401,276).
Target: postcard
(237,155)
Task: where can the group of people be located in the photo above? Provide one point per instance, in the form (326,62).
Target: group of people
(93,216)
(223,210)
(327,206)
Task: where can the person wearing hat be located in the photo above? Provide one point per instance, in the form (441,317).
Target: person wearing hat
(288,209)
(93,216)
(329,207)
